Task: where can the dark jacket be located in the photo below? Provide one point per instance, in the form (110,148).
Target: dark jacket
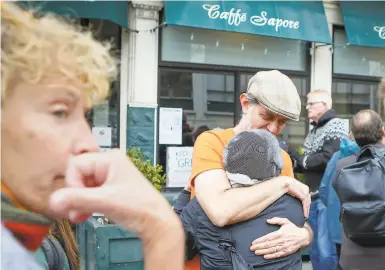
(354,256)
(228,248)
(320,145)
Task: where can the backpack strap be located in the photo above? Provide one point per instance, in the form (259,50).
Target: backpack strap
(380,153)
(54,253)
(226,243)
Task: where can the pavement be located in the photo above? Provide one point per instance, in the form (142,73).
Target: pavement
(306,265)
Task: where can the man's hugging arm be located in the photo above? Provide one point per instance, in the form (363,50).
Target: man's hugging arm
(225,205)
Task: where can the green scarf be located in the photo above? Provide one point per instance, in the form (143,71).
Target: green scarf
(28,227)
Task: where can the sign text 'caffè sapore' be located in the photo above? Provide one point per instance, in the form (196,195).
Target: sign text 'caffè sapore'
(236,17)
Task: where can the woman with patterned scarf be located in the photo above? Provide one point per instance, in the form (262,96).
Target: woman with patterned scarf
(52,73)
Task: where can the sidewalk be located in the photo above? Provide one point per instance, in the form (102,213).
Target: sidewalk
(306,266)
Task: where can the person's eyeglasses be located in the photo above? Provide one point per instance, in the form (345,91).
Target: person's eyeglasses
(310,104)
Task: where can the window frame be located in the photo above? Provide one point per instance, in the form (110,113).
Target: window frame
(116,84)
(351,78)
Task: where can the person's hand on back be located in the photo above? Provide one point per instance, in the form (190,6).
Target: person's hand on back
(289,238)
(283,242)
(109,183)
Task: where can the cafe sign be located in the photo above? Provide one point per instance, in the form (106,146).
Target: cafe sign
(236,17)
(295,20)
(381,31)
(364,23)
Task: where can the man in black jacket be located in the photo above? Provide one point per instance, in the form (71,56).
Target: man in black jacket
(367,129)
(320,144)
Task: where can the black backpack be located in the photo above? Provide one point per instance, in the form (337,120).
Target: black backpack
(361,190)
(54,253)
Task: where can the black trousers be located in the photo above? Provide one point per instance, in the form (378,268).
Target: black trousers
(338,248)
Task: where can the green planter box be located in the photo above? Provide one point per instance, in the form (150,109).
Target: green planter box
(108,247)
(305,252)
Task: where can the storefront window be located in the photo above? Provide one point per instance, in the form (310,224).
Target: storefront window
(356,76)
(106,115)
(194,45)
(357,60)
(351,96)
(207,99)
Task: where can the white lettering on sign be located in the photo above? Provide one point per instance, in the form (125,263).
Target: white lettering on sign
(381,31)
(232,17)
(236,17)
(274,22)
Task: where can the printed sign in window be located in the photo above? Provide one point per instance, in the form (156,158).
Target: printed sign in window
(179,161)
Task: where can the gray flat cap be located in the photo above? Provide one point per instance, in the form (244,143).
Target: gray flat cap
(276,92)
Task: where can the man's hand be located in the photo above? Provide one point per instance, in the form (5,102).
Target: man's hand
(287,240)
(296,158)
(109,183)
(299,190)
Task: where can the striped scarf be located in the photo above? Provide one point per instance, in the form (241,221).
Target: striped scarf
(29,228)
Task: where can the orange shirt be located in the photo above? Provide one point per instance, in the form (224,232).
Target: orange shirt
(207,155)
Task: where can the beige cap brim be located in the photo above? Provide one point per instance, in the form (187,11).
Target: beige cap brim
(276,92)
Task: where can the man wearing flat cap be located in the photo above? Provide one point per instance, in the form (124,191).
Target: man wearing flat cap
(270,102)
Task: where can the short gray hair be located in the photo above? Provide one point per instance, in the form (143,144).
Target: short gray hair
(324,96)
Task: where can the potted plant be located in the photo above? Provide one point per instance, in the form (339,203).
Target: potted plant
(154,174)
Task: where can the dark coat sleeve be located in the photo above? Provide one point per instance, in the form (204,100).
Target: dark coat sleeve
(318,160)
(186,210)
(181,201)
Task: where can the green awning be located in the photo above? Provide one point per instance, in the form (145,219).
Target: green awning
(114,11)
(295,20)
(364,22)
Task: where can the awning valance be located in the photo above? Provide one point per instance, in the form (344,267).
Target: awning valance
(295,20)
(114,11)
(364,22)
